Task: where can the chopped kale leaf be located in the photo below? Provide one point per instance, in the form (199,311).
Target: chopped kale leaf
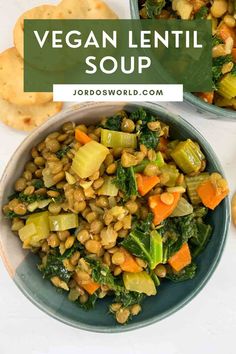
(185,274)
(125,181)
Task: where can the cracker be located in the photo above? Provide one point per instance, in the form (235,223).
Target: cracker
(84,9)
(37,13)
(12,81)
(27,117)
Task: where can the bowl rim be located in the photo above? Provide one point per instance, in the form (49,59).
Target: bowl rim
(215,111)
(130,326)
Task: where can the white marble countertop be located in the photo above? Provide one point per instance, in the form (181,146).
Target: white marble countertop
(206,325)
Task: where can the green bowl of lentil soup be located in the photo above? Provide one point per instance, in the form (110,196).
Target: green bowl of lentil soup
(22,265)
(214,111)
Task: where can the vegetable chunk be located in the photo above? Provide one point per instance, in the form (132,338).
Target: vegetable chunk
(89,158)
(63,222)
(161,210)
(140,282)
(180,259)
(146,183)
(35,230)
(114,139)
(210,195)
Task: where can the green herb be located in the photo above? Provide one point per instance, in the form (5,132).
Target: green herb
(13,196)
(89,305)
(216,41)
(217,64)
(144,242)
(27,198)
(55,267)
(202,13)
(154,7)
(144,225)
(101,274)
(77,246)
(62,152)
(30,198)
(200,239)
(38,183)
(140,115)
(59,199)
(176,231)
(129,298)
(125,180)
(185,274)
(11,214)
(114,122)
(233,71)
(138,243)
(146,136)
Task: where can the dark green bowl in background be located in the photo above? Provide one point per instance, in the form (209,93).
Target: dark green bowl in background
(22,265)
(213,112)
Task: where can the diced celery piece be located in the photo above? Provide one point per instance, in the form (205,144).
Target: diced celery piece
(140,167)
(140,282)
(35,229)
(40,220)
(27,232)
(89,158)
(47,178)
(43,203)
(108,188)
(159,160)
(227,86)
(183,208)
(114,139)
(193,183)
(188,156)
(63,222)
(32,207)
(156,249)
(172,172)
(155,278)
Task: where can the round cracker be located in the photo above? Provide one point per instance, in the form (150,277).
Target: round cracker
(12,81)
(27,117)
(42,12)
(86,9)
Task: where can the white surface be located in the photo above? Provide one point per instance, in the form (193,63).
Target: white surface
(206,325)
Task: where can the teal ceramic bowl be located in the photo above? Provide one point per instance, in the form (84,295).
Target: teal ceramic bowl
(22,265)
(202,107)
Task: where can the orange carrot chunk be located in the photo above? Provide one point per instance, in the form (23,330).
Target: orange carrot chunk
(206,96)
(130,264)
(210,195)
(181,258)
(161,210)
(90,287)
(224,32)
(146,183)
(81,137)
